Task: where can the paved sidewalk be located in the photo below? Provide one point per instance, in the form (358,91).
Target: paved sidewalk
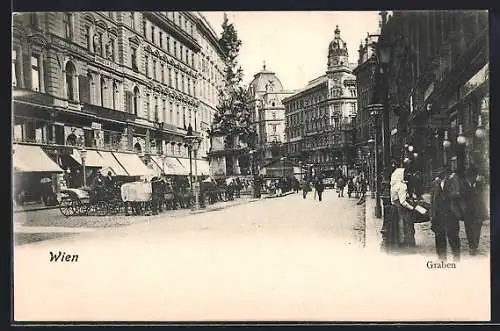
(20,228)
(373,225)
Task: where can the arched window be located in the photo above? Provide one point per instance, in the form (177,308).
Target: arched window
(115,95)
(103,90)
(91,96)
(136,100)
(70,81)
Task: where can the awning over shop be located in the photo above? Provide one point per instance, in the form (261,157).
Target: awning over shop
(170,167)
(155,165)
(133,164)
(28,158)
(111,164)
(92,159)
(185,164)
(203,168)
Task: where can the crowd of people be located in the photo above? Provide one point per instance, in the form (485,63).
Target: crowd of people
(456,197)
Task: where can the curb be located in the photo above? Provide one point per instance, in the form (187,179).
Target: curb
(207,210)
(372,225)
(278,196)
(34,209)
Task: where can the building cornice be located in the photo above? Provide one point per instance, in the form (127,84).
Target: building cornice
(167,25)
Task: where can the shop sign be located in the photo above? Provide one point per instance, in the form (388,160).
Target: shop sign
(96,126)
(428,91)
(480,77)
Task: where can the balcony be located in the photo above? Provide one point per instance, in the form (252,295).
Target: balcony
(107,113)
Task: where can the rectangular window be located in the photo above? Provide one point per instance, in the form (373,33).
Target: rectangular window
(154,69)
(169,77)
(176,81)
(164,113)
(14,68)
(168,44)
(88,38)
(68,33)
(187,56)
(181,51)
(153,34)
(162,68)
(133,58)
(35,73)
(34,20)
(156,118)
(175,48)
(132,20)
(148,112)
(144,28)
(161,39)
(112,50)
(192,59)
(146,65)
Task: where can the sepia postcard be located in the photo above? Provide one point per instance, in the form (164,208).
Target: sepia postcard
(322,166)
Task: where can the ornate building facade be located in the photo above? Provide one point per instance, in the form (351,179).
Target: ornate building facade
(319,118)
(266,94)
(365,123)
(439,88)
(115,84)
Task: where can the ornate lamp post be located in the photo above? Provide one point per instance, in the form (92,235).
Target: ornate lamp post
(83,153)
(374,111)
(192,142)
(384,52)
(446,146)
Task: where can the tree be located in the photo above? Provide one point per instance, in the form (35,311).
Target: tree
(233,116)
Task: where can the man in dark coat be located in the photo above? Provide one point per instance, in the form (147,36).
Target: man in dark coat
(445,226)
(475,209)
(444,221)
(320,187)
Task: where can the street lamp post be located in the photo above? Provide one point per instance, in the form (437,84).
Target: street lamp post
(384,52)
(83,153)
(374,111)
(192,142)
(283,168)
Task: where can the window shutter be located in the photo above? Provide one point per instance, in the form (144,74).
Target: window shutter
(84,86)
(27,70)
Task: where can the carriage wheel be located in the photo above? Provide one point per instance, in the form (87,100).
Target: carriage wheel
(101,208)
(66,207)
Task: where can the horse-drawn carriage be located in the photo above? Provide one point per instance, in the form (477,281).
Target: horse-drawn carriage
(91,202)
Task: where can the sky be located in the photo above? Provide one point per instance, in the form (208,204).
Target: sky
(294,44)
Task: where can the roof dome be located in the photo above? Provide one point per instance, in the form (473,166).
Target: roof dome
(265,81)
(337,46)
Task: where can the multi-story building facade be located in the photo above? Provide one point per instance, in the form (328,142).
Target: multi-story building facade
(365,123)
(116,84)
(319,118)
(439,87)
(266,94)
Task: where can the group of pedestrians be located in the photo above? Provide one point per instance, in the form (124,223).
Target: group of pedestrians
(456,198)
(316,184)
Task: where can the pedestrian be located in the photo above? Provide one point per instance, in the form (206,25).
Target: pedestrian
(305,188)
(400,199)
(444,226)
(340,185)
(475,212)
(319,187)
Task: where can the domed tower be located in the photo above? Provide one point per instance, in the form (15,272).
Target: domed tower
(338,56)
(340,77)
